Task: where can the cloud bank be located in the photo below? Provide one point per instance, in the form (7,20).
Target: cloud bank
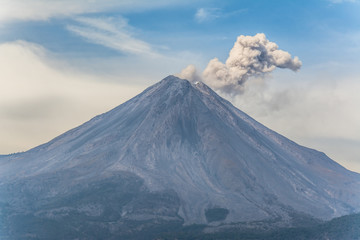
(319,111)
(251,56)
(40,99)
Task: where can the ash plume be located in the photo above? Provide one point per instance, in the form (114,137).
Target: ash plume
(251,56)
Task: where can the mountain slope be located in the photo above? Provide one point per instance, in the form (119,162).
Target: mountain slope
(176,152)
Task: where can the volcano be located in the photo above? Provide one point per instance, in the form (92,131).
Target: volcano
(176,154)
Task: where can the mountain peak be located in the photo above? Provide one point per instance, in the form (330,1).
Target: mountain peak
(172,86)
(173,78)
(173,82)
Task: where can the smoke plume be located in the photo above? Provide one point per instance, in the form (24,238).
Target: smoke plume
(251,56)
(190,73)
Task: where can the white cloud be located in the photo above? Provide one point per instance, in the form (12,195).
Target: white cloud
(45,9)
(39,101)
(342,1)
(207,14)
(111,32)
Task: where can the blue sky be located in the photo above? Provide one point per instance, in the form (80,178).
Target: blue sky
(292,24)
(65,61)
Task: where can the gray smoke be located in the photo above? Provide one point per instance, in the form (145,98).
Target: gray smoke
(251,56)
(190,73)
